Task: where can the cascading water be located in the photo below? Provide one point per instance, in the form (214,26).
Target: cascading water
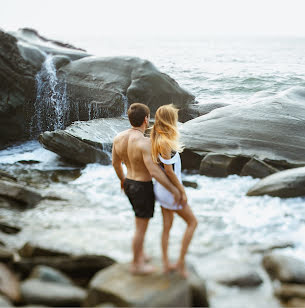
(51,105)
(125,101)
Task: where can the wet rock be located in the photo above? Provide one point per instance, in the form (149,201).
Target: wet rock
(17,87)
(118,286)
(24,194)
(199,293)
(190,184)
(257,169)
(6,255)
(9,229)
(112,83)
(296,303)
(253,129)
(85,142)
(243,280)
(28,162)
(9,284)
(60,61)
(51,294)
(220,165)
(49,274)
(205,108)
(263,248)
(29,250)
(289,290)
(79,268)
(191,160)
(284,268)
(284,184)
(7,176)
(33,40)
(4,302)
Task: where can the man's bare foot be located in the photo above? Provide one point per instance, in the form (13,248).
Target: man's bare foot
(167,268)
(146,258)
(180,268)
(142,269)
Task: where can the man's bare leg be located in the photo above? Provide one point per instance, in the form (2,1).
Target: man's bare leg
(187,215)
(168,217)
(138,266)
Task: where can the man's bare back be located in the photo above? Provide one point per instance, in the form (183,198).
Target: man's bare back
(129,147)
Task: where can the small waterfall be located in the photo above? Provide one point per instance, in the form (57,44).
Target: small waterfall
(51,105)
(125,101)
(94,111)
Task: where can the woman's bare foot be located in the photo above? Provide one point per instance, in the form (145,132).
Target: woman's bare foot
(167,268)
(180,268)
(146,258)
(142,269)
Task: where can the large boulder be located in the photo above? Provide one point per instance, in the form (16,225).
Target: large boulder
(20,193)
(106,86)
(284,268)
(17,89)
(118,286)
(38,292)
(271,130)
(284,184)
(85,142)
(34,47)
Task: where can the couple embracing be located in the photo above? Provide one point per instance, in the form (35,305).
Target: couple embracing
(157,157)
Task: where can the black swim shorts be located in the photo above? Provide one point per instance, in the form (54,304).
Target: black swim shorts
(141,196)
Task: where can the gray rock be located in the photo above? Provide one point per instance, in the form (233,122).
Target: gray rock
(60,61)
(118,286)
(85,142)
(271,130)
(49,274)
(29,250)
(244,280)
(205,108)
(220,165)
(38,292)
(284,184)
(8,228)
(296,303)
(257,169)
(4,302)
(288,291)
(80,268)
(9,284)
(6,255)
(264,248)
(17,87)
(20,193)
(48,46)
(112,83)
(284,268)
(189,184)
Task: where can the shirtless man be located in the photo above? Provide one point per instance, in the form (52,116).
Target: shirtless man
(134,149)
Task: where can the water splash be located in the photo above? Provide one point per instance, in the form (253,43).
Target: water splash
(51,105)
(125,101)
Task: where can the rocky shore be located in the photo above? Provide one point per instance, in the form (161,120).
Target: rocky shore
(263,139)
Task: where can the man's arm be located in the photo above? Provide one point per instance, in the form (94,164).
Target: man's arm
(117,165)
(156,172)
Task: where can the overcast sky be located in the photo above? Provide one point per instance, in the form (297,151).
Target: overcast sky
(64,18)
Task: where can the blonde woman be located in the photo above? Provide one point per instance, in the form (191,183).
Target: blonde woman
(165,151)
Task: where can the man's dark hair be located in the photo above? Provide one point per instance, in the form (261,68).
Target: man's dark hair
(137,113)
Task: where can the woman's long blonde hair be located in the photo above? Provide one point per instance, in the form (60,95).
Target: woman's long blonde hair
(164,134)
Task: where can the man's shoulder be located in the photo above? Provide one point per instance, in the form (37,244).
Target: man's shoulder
(120,135)
(145,143)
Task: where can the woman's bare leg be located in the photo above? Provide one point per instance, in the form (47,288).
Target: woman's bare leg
(187,215)
(168,217)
